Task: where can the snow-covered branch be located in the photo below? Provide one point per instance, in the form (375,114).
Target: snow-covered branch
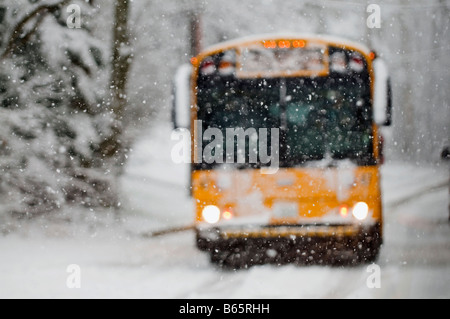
(19,35)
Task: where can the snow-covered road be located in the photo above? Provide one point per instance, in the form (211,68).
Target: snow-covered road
(116,262)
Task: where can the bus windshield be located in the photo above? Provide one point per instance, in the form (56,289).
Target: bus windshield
(318,118)
(328,117)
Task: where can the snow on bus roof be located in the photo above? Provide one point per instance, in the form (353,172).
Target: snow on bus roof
(273,36)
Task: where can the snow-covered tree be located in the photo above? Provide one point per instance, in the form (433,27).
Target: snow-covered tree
(52,118)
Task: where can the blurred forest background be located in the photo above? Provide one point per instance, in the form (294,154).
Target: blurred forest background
(74,100)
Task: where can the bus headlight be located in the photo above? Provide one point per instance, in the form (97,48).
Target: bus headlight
(211,214)
(360,211)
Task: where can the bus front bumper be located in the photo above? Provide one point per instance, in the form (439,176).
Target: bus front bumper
(286,244)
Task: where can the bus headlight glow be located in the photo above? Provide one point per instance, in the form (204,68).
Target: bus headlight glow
(360,211)
(227,214)
(211,214)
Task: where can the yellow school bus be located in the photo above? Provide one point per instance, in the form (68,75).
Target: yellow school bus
(286,149)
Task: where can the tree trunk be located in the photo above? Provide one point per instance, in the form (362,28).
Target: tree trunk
(195,33)
(113,146)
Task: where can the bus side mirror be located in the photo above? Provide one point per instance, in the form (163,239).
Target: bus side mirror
(181,98)
(382,104)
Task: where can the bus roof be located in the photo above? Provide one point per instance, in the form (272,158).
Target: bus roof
(274,36)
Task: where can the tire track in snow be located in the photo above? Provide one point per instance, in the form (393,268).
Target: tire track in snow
(416,195)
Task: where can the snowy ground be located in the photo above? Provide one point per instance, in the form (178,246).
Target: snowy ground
(117,262)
